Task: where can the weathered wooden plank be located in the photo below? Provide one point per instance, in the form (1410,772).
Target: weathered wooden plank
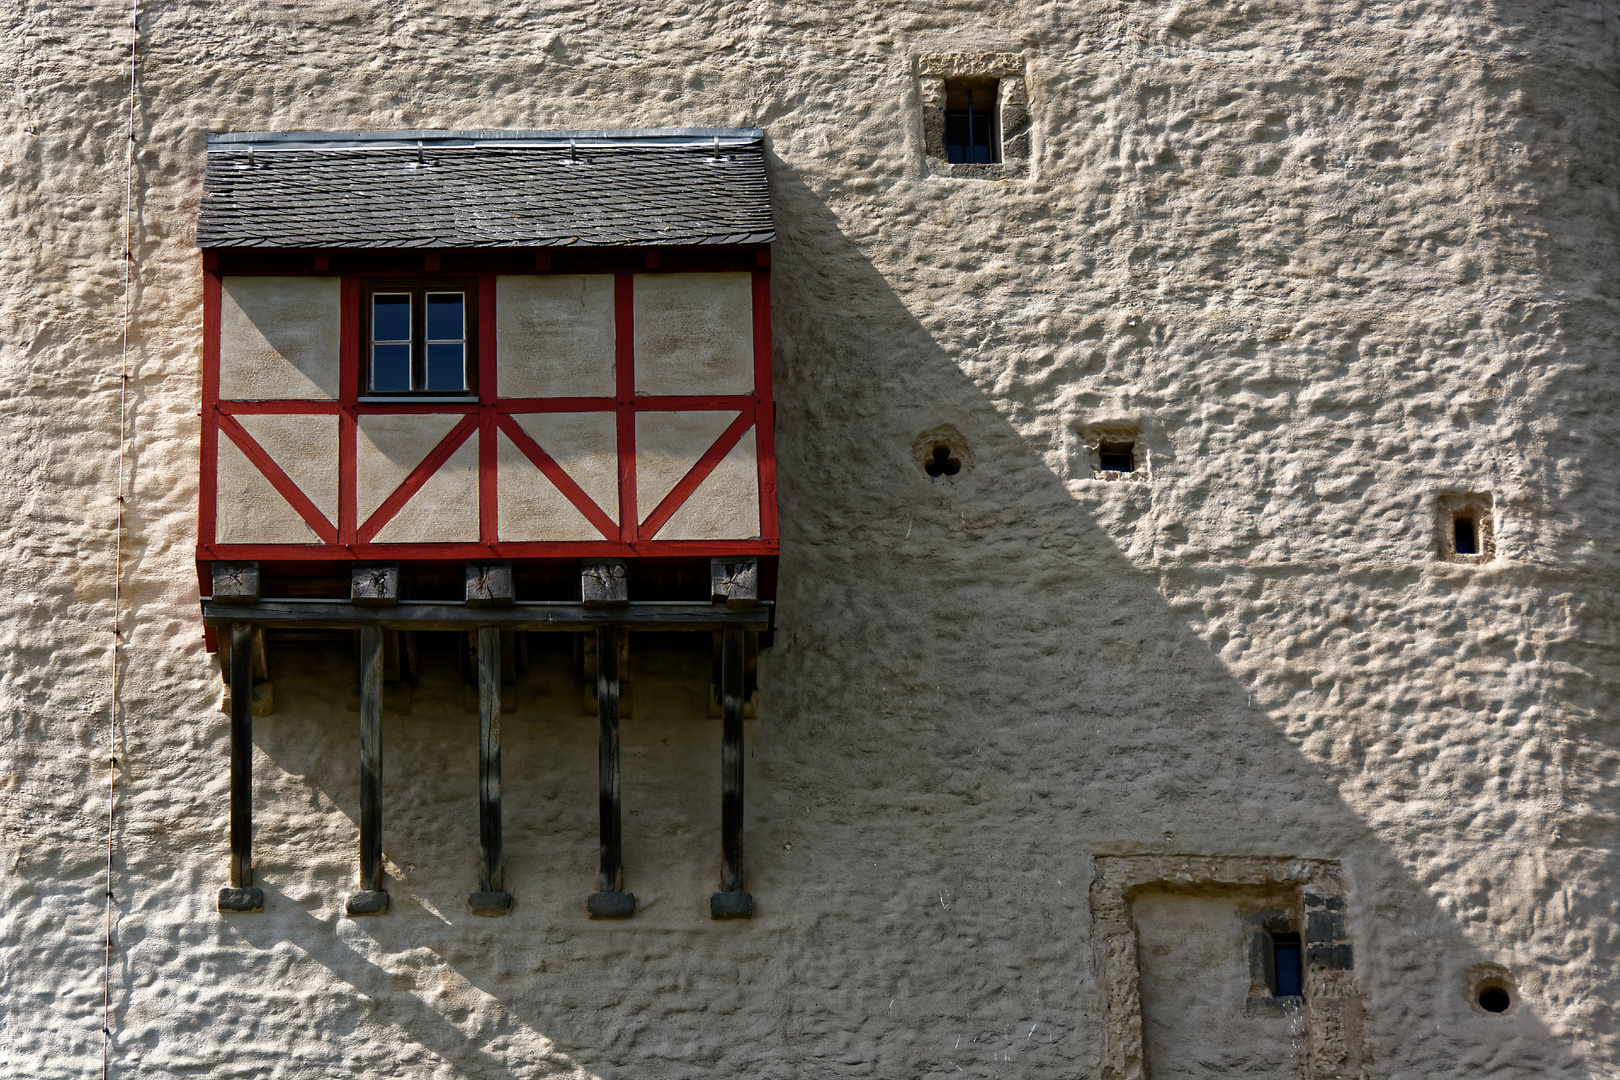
(610,901)
(489,584)
(604,582)
(371,899)
(374,585)
(735,581)
(731,902)
(337,615)
(491,897)
(235,582)
(241,896)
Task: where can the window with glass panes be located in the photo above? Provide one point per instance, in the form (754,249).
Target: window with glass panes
(419,340)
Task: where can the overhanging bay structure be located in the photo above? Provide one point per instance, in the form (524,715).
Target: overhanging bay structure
(487,383)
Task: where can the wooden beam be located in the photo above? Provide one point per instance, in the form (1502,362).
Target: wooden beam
(235,582)
(375,585)
(489,584)
(734,582)
(731,902)
(604,582)
(610,901)
(536,615)
(491,897)
(371,899)
(241,896)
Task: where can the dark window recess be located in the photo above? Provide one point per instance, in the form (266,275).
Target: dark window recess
(1494,999)
(1287,966)
(1117,457)
(941,463)
(971,137)
(419,340)
(1465,536)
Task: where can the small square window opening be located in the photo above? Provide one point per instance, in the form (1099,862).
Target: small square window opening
(1117,457)
(1288,979)
(1465,536)
(971,137)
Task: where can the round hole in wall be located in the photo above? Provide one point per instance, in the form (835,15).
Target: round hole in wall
(1494,998)
(941,462)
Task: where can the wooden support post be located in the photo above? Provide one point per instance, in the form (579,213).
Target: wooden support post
(491,897)
(371,899)
(241,895)
(731,902)
(609,901)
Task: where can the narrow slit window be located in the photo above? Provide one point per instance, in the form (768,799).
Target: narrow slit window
(1117,457)
(1465,536)
(1287,965)
(971,137)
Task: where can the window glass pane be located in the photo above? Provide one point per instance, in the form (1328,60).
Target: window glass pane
(1290,979)
(391,317)
(391,367)
(446,367)
(444,317)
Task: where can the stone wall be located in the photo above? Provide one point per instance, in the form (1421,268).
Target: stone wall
(1329,262)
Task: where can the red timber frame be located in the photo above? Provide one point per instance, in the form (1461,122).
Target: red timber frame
(348,538)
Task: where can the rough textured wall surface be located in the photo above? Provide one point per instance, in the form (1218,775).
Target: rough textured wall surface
(1330,259)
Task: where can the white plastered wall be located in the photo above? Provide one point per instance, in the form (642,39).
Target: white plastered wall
(668,444)
(554,335)
(584,445)
(694,333)
(279,338)
(445,509)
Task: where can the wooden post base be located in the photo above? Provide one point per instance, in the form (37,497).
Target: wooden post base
(240,901)
(611,905)
(367,902)
(490,903)
(731,905)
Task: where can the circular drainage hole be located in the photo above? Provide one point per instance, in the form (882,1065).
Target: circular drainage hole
(1494,999)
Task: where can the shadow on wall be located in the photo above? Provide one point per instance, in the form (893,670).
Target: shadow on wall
(973,691)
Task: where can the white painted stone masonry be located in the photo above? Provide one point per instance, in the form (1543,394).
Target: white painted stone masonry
(1329,261)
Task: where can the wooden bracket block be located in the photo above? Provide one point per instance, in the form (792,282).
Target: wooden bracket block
(489,584)
(236,582)
(604,582)
(375,585)
(734,582)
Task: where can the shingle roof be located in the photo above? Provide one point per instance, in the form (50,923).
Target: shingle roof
(469,189)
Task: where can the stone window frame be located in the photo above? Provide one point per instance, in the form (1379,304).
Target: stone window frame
(1331,1014)
(1012,111)
(1482,508)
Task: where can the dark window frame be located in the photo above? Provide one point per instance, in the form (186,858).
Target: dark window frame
(418,289)
(973,120)
(1287,975)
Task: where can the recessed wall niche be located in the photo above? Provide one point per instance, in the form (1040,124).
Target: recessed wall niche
(975,115)
(942,453)
(1465,527)
(1111,453)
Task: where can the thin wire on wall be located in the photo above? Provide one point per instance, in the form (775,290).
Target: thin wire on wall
(118,545)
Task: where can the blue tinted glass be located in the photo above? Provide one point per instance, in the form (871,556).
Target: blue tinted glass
(391,318)
(444,316)
(1290,980)
(390,368)
(446,367)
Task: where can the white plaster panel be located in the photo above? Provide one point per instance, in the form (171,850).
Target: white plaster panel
(694,333)
(668,444)
(388,447)
(529,506)
(726,505)
(445,509)
(247,507)
(554,335)
(1193,954)
(306,448)
(586,445)
(279,337)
